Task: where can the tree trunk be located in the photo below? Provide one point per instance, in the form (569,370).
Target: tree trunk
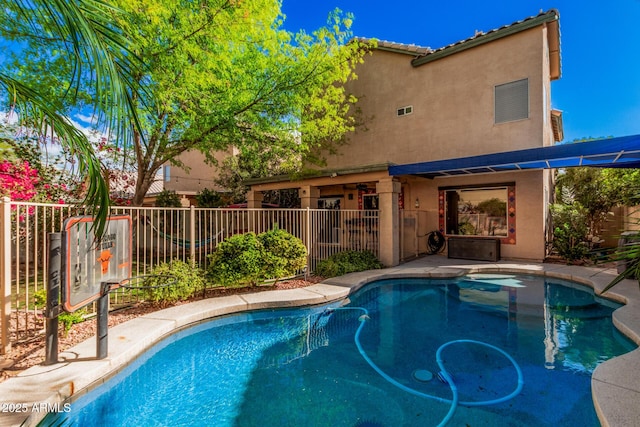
(143,183)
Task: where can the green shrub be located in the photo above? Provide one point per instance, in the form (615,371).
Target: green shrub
(209,199)
(70,319)
(249,259)
(66,319)
(168,199)
(284,254)
(347,262)
(169,283)
(237,261)
(570,232)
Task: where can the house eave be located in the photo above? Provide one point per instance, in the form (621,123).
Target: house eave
(557,126)
(549,18)
(331,173)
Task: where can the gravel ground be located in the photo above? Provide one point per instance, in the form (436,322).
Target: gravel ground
(31,351)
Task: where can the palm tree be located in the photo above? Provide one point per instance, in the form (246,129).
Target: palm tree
(102,58)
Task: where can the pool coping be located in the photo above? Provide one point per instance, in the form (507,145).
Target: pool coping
(615,383)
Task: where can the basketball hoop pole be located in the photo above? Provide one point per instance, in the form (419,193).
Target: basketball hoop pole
(102,336)
(52,308)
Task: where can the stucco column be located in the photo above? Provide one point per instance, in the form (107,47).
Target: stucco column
(309,196)
(254,199)
(388,223)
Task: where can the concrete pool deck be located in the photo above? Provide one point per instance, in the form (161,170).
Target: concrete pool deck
(25,399)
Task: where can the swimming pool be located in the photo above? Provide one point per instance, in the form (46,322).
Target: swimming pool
(304,367)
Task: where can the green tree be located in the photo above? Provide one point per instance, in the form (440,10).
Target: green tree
(208,198)
(68,45)
(223,73)
(570,231)
(596,191)
(493,207)
(168,199)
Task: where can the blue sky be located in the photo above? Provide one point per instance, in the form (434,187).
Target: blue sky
(599,90)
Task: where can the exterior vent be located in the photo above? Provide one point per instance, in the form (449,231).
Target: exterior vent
(475,248)
(512,101)
(405,110)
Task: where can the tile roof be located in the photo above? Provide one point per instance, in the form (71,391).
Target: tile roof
(122,184)
(552,14)
(411,49)
(421,52)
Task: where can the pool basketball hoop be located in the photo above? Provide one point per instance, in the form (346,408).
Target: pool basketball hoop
(85,269)
(91,263)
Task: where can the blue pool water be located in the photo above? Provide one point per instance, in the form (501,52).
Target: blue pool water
(305,367)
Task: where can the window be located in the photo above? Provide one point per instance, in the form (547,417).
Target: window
(329,221)
(512,101)
(332,203)
(405,110)
(167,173)
(477,211)
(370,201)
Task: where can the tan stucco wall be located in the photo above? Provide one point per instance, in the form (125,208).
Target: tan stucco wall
(530,207)
(453,103)
(197,174)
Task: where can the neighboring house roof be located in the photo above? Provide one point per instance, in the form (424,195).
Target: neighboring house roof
(157,186)
(123,183)
(424,55)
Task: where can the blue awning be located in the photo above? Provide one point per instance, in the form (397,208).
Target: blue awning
(622,152)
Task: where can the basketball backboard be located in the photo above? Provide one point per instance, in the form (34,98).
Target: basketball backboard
(88,262)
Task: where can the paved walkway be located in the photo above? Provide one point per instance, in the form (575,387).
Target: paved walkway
(25,398)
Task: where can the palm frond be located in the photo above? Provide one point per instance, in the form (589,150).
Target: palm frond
(46,120)
(105,59)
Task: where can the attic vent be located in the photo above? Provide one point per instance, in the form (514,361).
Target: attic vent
(405,110)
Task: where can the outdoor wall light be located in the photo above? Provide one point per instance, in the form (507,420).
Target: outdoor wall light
(417,203)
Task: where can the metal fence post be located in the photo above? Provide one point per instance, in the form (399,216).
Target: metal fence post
(308,242)
(5,274)
(192,234)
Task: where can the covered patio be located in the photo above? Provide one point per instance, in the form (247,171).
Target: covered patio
(418,189)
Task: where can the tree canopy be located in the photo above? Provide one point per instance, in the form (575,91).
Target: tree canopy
(221,73)
(597,191)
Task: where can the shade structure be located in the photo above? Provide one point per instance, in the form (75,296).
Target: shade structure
(621,152)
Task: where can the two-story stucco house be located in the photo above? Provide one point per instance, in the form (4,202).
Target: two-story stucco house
(194,174)
(432,114)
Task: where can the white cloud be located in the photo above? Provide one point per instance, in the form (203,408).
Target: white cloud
(10,118)
(86,119)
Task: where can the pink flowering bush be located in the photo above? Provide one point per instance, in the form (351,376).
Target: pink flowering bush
(18,180)
(21,182)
